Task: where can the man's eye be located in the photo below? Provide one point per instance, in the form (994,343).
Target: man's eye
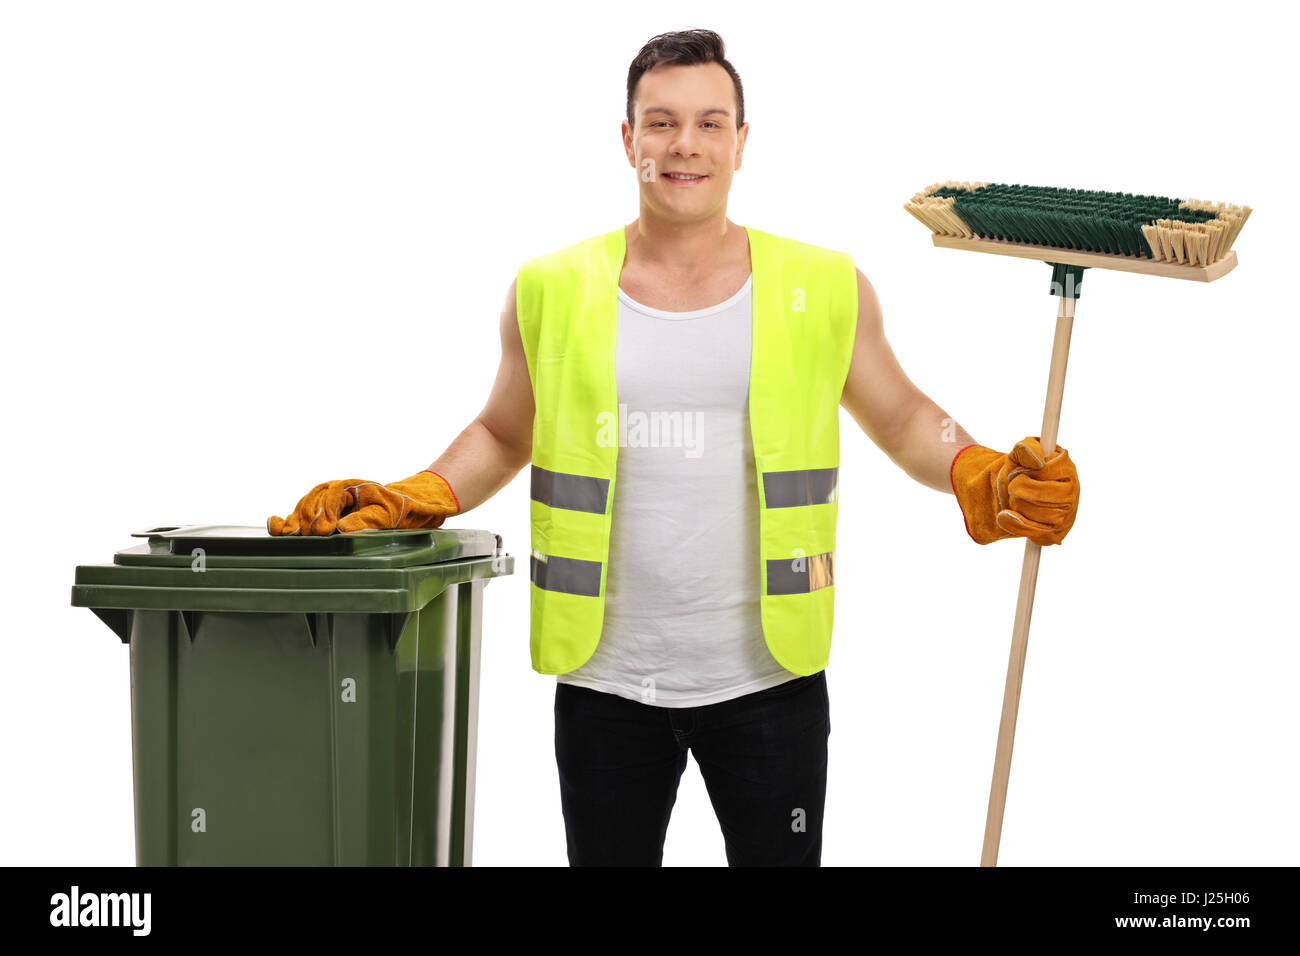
(711,123)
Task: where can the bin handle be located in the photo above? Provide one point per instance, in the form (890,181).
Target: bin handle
(177,530)
(153,531)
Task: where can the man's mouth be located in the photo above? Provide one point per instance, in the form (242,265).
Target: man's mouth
(684,179)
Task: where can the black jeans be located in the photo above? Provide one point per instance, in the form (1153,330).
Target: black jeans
(762,756)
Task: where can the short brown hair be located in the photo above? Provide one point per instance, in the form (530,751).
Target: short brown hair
(683,47)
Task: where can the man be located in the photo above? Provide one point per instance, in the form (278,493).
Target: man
(675,384)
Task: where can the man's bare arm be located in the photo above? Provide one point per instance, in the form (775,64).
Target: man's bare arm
(487,455)
(916,434)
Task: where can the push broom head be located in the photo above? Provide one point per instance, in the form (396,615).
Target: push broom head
(1092,224)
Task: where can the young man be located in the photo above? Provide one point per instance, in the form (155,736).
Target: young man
(675,384)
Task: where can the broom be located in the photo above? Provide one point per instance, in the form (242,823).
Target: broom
(1072,230)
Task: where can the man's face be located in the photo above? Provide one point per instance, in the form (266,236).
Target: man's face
(685,126)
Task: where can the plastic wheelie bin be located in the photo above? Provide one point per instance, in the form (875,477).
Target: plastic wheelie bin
(300,700)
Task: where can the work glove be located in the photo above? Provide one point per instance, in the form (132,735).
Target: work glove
(422,501)
(1024,494)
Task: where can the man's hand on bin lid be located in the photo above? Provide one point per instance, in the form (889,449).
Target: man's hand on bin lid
(422,501)
(317,511)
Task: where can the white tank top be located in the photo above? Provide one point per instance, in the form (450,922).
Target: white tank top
(682,625)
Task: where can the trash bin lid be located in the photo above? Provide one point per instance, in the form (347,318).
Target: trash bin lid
(238,546)
(245,569)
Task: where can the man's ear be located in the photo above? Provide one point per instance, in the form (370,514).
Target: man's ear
(740,147)
(626,132)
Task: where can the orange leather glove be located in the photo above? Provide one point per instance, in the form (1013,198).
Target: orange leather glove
(422,501)
(1022,494)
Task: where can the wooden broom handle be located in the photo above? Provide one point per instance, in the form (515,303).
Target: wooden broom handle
(1025,602)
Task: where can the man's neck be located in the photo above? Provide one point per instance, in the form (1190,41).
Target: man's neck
(683,248)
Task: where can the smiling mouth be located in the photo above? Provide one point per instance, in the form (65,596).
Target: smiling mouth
(684,179)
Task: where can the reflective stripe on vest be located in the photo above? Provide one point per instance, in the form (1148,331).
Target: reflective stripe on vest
(805,314)
(800,575)
(574,492)
(811,486)
(570,575)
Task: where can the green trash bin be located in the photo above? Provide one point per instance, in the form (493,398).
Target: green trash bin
(300,700)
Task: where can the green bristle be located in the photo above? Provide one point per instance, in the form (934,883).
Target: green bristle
(1080,219)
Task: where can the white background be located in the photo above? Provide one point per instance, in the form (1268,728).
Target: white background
(249,247)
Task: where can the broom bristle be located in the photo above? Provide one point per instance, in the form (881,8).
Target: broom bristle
(1187,231)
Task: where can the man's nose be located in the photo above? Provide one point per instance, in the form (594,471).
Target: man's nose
(684,143)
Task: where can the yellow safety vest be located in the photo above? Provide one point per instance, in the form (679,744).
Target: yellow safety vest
(805,313)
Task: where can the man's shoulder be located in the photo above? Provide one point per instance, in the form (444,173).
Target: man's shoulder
(575,254)
(797,248)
